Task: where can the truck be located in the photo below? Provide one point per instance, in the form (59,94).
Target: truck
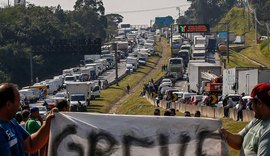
(249,78)
(195,70)
(212,86)
(81,92)
(133,61)
(231,79)
(176,68)
(123,46)
(212,45)
(198,55)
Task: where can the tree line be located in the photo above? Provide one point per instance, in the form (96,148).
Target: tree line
(21,26)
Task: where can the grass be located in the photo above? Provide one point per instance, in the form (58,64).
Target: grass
(237,60)
(239,26)
(135,104)
(114,93)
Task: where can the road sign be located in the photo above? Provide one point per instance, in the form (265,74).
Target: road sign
(163,21)
(194,28)
(174,97)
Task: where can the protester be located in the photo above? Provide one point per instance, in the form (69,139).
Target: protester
(229,104)
(167,112)
(173,113)
(128,88)
(32,124)
(187,114)
(241,107)
(157,112)
(197,114)
(62,105)
(19,117)
(25,117)
(254,139)
(9,105)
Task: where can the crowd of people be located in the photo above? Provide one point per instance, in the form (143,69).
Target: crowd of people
(22,135)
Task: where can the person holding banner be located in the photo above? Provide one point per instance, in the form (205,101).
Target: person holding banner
(14,139)
(62,105)
(254,139)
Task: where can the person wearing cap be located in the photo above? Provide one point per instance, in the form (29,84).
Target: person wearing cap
(254,139)
(14,139)
(32,124)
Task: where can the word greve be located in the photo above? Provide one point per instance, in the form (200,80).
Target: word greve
(74,136)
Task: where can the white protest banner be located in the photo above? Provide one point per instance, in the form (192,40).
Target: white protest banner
(85,134)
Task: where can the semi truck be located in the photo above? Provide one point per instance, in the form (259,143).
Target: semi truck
(176,68)
(249,78)
(195,71)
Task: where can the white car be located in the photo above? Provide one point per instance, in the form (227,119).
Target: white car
(129,68)
(60,96)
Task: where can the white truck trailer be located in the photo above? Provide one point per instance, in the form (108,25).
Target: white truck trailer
(249,78)
(195,74)
(231,79)
(78,92)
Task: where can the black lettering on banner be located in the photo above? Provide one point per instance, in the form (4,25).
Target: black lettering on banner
(109,142)
(70,129)
(129,140)
(184,139)
(163,143)
(77,148)
(93,140)
(201,137)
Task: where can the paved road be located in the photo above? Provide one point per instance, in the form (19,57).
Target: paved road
(110,74)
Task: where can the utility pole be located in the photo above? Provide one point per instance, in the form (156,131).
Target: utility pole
(31,69)
(171,40)
(267,36)
(179,13)
(255,20)
(228,41)
(114,46)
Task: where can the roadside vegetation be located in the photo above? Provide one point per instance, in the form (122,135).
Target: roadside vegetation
(239,25)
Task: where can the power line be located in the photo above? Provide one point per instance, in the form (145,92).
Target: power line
(148,10)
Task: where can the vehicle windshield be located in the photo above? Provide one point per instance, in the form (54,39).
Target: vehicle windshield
(59,95)
(77,98)
(42,108)
(198,54)
(176,61)
(70,78)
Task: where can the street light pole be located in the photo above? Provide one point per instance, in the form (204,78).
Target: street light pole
(255,18)
(171,40)
(228,40)
(31,69)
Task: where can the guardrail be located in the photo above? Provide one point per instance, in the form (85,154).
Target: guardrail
(206,111)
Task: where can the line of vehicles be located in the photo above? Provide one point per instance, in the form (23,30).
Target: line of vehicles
(79,84)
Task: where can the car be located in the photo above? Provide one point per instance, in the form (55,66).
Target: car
(235,98)
(60,96)
(166,80)
(196,99)
(49,103)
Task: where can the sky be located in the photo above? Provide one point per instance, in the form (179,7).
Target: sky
(135,12)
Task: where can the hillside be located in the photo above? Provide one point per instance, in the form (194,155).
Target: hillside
(238,23)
